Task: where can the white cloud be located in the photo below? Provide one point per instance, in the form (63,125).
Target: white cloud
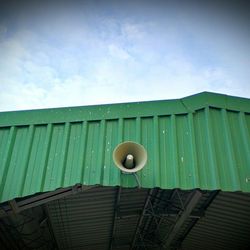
(116,60)
(132,31)
(118,52)
(109,82)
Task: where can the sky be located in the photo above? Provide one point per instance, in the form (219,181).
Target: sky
(75,53)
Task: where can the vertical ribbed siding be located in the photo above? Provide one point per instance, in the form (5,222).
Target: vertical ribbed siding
(221,145)
(17,165)
(228,135)
(65,147)
(194,168)
(245,137)
(27,152)
(131,132)
(113,133)
(207,149)
(55,156)
(75,154)
(213,166)
(173,152)
(147,141)
(6,159)
(36,164)
(156,150)
(185,151)
(230,166)
(168,151)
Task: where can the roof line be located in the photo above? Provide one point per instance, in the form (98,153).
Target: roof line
(124,110)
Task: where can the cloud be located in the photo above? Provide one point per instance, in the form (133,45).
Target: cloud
(118,52)
(110,82)
(3,30)
(133,31)
(69,60)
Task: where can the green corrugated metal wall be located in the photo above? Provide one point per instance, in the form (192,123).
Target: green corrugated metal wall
(202,141)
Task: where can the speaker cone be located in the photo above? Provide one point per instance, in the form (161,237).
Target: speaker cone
(130,157)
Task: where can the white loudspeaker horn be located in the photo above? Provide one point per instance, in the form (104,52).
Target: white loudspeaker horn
(130,157)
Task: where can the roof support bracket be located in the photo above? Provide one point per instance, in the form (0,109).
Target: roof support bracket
(116,209)
(14,206)
(192,202)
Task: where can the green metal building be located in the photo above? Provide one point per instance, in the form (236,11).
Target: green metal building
(60,189)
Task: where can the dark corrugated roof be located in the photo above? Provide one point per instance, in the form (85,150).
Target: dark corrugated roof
(76,219)
(224,226)
(122,219)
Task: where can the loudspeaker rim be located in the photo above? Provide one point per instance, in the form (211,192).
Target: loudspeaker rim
(133,170)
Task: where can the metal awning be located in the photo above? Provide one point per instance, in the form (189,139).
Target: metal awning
(127,218)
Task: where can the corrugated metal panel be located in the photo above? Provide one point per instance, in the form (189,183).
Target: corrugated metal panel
(218,220)
(207,148)
(224,226)
(84,221)
(130,208)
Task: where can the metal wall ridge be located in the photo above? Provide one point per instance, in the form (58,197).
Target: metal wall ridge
(124,110)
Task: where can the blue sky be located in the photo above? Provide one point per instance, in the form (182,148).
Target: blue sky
(71,53)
